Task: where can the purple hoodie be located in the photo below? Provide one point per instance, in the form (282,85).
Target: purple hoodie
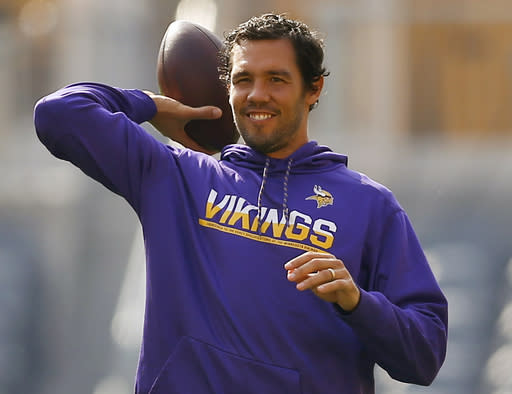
(221,316)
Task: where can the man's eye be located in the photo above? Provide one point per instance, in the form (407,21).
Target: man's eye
(240,80)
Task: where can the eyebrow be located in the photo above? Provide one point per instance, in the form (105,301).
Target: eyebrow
(239,74)
(281,73)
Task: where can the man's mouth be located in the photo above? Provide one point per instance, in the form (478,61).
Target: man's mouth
(259,115)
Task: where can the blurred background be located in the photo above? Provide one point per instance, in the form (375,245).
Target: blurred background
(419,97)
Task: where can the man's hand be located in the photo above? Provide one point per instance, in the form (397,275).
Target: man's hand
(172,116)
(326,276)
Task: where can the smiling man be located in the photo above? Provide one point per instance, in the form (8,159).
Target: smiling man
(275,269)
(269,100)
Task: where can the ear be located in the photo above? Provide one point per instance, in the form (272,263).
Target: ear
(314,93)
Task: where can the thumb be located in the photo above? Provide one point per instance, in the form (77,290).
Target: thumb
(206,112)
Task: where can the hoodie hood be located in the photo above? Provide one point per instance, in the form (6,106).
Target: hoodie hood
(309,158)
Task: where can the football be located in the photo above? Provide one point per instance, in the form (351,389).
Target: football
(187,71)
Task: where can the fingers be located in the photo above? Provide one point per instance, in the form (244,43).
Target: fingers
(326,276)
(311,264)
(208,113)
(305,258)
(319,279)
(170,107)
(312,269)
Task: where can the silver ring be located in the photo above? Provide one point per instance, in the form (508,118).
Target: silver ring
(333,273)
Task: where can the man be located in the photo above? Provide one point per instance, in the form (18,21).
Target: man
(276,269)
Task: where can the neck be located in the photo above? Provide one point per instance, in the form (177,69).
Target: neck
(286,151)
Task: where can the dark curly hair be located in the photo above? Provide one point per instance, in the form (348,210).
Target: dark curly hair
(309,48)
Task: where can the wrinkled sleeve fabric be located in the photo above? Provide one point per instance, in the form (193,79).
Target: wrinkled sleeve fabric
(402,316)
(97,128)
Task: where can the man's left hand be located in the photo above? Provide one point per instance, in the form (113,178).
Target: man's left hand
(326,276)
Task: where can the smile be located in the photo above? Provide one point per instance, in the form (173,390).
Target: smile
(259,116)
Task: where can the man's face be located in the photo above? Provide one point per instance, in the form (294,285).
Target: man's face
(267,95)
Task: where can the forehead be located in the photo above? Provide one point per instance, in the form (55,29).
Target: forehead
(264,55)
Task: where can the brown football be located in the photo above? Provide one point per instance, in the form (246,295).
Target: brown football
(187,71)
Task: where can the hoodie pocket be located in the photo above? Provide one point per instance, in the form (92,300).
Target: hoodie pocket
(196,367)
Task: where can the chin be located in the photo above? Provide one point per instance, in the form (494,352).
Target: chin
(265,148)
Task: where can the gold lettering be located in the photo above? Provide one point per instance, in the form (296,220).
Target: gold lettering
(228,210)
(211,209)
(303,230)
(256,220)
(328,236)
(240,214)
(277,225)
(236,210)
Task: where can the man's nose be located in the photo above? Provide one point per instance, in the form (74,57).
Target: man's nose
(258,92)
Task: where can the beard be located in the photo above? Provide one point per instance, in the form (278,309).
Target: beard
(268,142)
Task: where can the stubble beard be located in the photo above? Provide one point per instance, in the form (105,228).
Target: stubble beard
(271,142)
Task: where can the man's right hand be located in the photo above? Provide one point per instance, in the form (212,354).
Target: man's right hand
(172,116)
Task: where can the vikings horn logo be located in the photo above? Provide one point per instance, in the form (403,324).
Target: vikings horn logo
(321,196)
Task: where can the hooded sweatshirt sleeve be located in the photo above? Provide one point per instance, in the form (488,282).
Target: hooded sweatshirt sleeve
(402,315)
(96,127)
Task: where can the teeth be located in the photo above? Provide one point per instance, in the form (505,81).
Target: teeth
(260,116)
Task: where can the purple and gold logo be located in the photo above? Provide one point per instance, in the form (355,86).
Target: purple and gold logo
(321,196)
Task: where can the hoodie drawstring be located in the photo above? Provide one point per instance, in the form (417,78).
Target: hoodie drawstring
(260,193)
(285,191)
